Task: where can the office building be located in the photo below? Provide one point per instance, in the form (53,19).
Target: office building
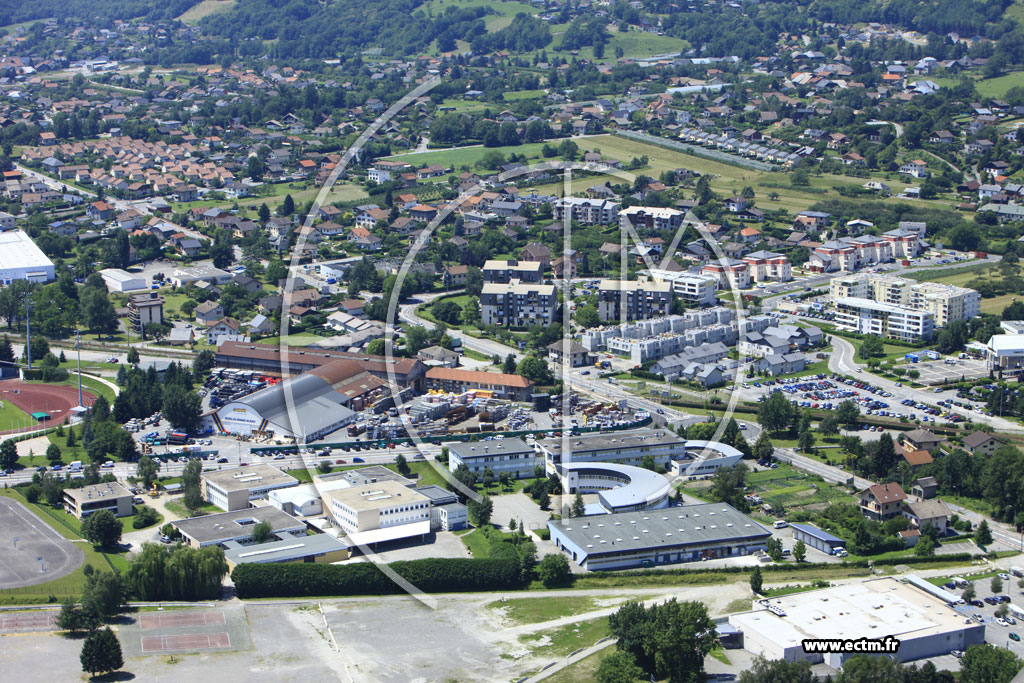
(236,526)
(377,513)
(21,259)
(651,537)
(511,456)
(318,548)
(620,488)
(233,489)
(913,612)
(623,448)
(518,304)
(446,512)
(628,300)
(106,496)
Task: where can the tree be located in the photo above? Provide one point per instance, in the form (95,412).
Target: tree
(264,213)
(756,580)
(806,441)
(535,369)
(133,356)
(997,584)
(402,465)
(848,413)
(983,536)
(578,508)
(968,593)
(508,366)
(925,547)
(553,571)
(101,653)
(775,413)
(871,346)
(618,667)
(203,363)
(262,532)
(668,641)
(287,207)
(988,664)
(544,500)
(104,592)
(829,425)
(763,448)
(193,500)
(481,510)
(70,616)
(192,473)
(96,310)
(146,470)
(182,408)
(778,671)
(587,316)
(9,454)
(799,551)
(504,480)
(102,528)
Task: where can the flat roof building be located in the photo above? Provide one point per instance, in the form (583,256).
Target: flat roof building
(21,259)
(235,526)
(232,489)
(629,300)
(118,280)
(877,608)
(319,548)
(512,456)
(501,385)
(650,537)
(883,319)
(624,448)
(105,496)
(620,488)
(380,512)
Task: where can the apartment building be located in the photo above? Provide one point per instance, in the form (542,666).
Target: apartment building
(144,309)
(627,300)
(586,211)
(886,320)
(518,304)
(905,243)
(946,303)
(768,266)
(506,271)
(694,289)
(730,273)
(651,217)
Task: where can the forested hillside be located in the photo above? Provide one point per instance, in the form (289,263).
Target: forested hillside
(12,12)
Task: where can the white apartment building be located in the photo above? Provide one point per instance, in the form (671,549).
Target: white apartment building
(692,288)
(731,274)
(518,304)
(586,211)
(883,319)
(946,303)
(629,300)
(651,217)
(768,266)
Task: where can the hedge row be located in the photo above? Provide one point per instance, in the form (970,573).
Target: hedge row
(434,575)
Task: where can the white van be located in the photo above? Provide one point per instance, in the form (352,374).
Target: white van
(780,524)
(75,466)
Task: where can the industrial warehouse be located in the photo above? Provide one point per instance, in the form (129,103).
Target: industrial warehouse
(649,537)
(915,612)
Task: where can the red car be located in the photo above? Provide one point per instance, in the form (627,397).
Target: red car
(339,462)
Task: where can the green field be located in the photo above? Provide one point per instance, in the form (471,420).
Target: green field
(467,156)
(998,87)
(205,9)
(340,192)
(559,642)
(13,417)
(583,671)
(536,610)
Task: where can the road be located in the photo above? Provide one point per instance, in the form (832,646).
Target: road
(843,361)
(488,347)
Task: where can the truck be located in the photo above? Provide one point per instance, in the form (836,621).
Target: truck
(75,466)
(1016,612)
(1017,571)
(959,582)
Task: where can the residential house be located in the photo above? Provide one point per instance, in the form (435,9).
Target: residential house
(882,501)
(982,443)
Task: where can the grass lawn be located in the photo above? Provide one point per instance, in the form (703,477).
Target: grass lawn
(998,87)
(178,508)
(468,156)
(300,339)
(583,671)
(205,9)
(477,544)
(535,610)
(13,417)
(559,642)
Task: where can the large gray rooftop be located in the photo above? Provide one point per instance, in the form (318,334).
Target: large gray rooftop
(677,526)
(231,525)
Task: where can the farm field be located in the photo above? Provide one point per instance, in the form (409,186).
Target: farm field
(998,87)
(205,9)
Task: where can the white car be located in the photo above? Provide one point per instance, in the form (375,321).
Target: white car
(1004,577)
(1002,622)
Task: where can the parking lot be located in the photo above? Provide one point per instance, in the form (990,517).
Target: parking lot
(996,633)
(938,372)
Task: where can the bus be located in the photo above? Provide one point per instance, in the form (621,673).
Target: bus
(177,438)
